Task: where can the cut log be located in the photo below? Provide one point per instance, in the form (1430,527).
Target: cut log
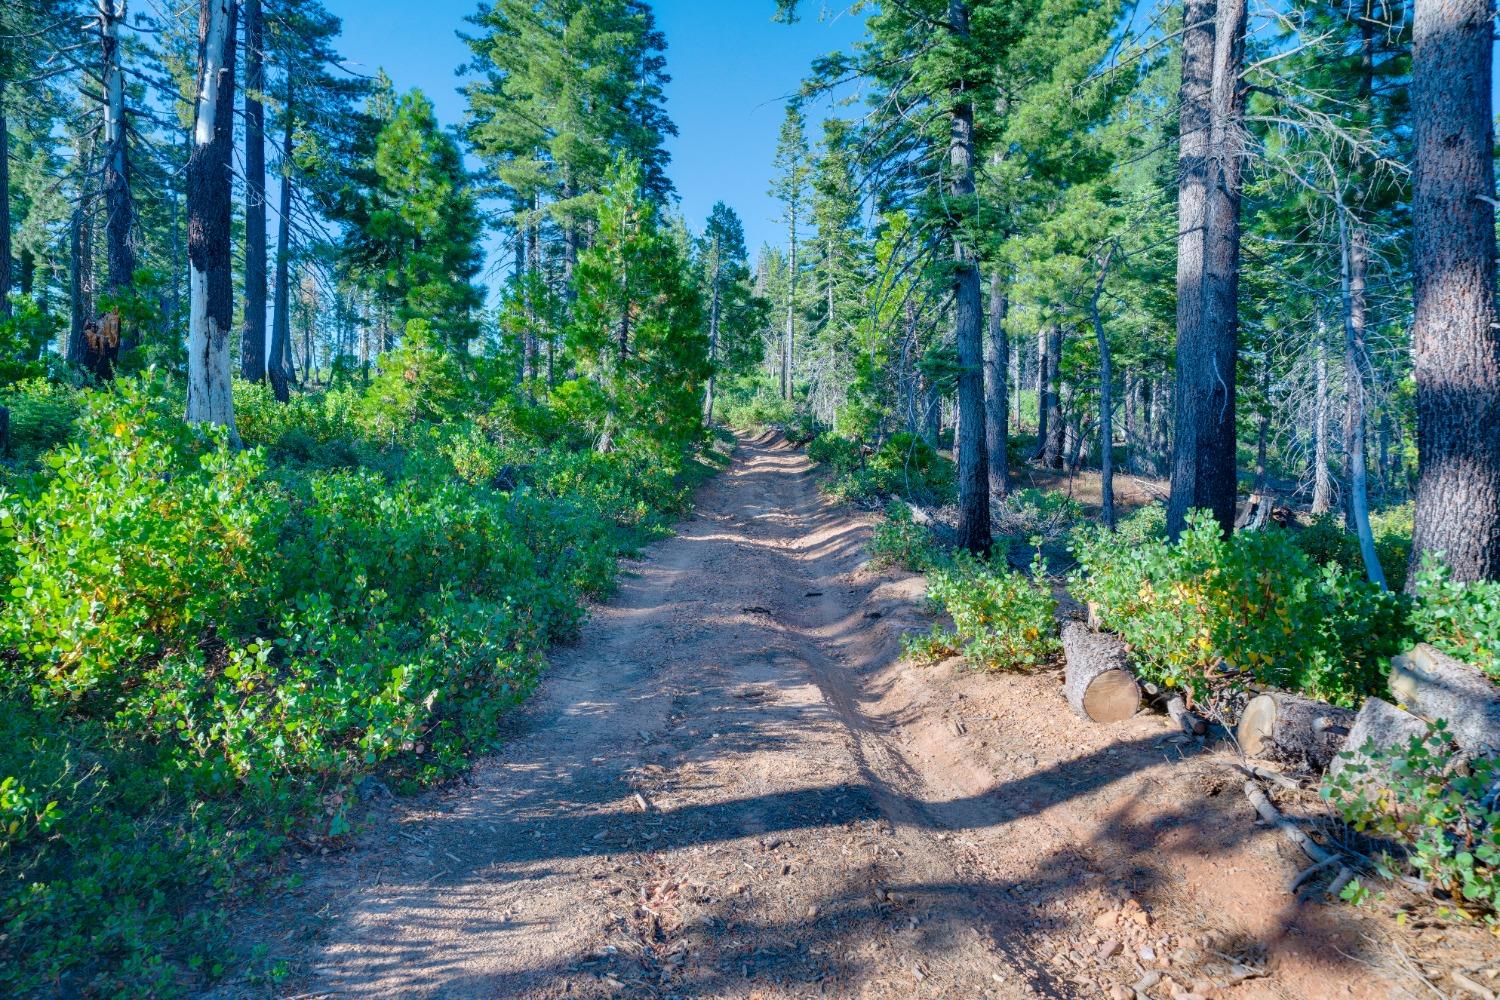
(1099,684)
(1435,686)
(1185,718)
(1381,723)
(1292,730)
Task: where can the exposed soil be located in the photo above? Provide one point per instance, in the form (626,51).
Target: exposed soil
(732,786)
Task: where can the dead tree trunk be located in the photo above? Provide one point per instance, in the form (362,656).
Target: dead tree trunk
(1322,482)
(1455,341)
(1211,106)
(1357,498)
(211,309)
(119,208)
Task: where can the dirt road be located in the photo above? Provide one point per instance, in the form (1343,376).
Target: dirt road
(729,786)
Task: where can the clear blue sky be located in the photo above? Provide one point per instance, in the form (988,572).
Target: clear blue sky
(731,69)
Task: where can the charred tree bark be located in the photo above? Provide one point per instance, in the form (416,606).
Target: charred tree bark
(211,309)
(253,338)
(1211,104)
(996,404)
(968,316)
(1455,342)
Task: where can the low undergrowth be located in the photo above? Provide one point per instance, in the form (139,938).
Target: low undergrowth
(207,653)
(904,467)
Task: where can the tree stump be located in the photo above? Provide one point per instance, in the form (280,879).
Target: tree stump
(1381,723)
(1435,686)
(1099,684)
(1289,729)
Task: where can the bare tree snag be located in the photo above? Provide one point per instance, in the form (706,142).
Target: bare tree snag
(1381,724)
(1099,685)
(211,303)
(1435,686)
(1292,730)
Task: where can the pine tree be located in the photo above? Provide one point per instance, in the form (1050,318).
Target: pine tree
(735,314)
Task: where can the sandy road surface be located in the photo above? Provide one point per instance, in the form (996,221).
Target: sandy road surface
(730,787)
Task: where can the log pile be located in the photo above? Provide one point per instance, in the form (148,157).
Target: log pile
(1381,724)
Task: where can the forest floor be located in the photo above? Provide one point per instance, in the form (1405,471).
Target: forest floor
(732,785)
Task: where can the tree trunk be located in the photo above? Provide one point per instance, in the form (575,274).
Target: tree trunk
(1014,351)
(1357,498)
(968,317)
(253,339)
(1322,482)
(1385,726)
(278,370)
(1211,105)
(1263,427)
(1106,400)
(79,282)
(211,308)
(1053,440)
(713,345)
(996,412)
(119,208)
(1455,342)
(5,250)
(1043,372)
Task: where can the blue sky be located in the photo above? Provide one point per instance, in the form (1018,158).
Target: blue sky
(731,69)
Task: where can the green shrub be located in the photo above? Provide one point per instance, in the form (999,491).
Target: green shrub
(1210,611)
(42,416)
(150,536)
(904,467)
(1462,620)
(1029,513)
(1327,543)
(207,650)
(1002,619)
(1442,817)
(900,541)
(842,455)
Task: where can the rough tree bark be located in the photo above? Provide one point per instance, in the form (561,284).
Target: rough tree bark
(1455,342)
(968,317)
(1211,109)
(713,338)
(211,303)
(278,369)
(996,414)
(253,338)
